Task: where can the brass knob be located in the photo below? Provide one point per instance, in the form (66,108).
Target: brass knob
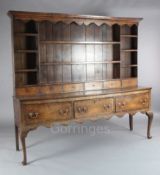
(85,109)
(82,109)
(67,110)
(63,111)
(143,101)
(33,115)
(106,107)
(79,109)
(123,104)
(119,104)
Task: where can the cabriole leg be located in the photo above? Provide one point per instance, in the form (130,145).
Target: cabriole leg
(150,119)
(131,121)
(17,138)
(23,136)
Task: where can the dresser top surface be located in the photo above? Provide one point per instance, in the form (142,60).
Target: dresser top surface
(82,94)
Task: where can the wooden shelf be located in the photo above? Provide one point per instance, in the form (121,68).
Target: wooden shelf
(77,82)
(26,34)
(79,42)
(130,78)
(26,70)
(129,50)
(129,36)
(131,65)
(64,63)
(26,51)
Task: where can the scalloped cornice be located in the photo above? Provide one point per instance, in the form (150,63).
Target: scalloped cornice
(69,18)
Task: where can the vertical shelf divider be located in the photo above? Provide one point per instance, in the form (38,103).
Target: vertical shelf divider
(38,56)
(85,59)
(102,61)
(120,54)
(94,51)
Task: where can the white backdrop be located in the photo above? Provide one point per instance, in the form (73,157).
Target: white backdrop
(118,152)
(149,38)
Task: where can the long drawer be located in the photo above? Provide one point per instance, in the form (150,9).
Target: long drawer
(132,102)
(91,108)
(43,112)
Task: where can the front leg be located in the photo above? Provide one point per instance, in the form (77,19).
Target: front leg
(23,136)
(17,137)
(150,119)
(131,121)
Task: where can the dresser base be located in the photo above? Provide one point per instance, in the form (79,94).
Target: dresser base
(30,113)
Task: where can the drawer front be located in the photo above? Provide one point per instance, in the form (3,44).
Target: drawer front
(92,108)
(43,112)
(131,82)
(112,84)
(132,102)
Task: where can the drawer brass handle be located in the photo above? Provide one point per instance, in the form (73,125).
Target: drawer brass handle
(108,106)
(123,104)
(83,109)
(61,112)
(143,101)
(33,115)
(79,109)
(64,111)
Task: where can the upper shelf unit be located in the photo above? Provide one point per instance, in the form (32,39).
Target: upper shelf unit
(58,48)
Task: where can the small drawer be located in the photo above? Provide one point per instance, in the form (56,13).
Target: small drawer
(93,108)
(93,86)
(50,89)
(112,84)
(39,90)
(44,112)
(27,91)
(132,102)
(73,87)
(128,83)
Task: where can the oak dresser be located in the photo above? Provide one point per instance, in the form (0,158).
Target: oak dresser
(74,68)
